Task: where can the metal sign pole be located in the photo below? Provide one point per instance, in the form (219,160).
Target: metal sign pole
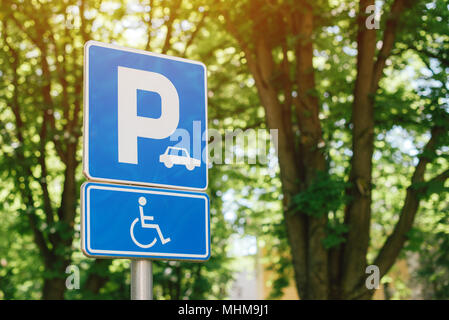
(141,279)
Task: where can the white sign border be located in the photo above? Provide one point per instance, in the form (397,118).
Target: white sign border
(86,116)
(115,254)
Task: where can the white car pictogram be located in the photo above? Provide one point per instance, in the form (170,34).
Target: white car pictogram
(174,155)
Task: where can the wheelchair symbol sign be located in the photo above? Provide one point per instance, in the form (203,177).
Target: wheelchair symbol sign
(143,218)
(121,221)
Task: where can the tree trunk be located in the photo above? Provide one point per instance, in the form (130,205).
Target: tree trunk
(54,289)
(358,211)
(295,221)
(96,279)
(338,273)
(312,160)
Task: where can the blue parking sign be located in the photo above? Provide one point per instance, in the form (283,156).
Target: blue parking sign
(121,221)
(145,118)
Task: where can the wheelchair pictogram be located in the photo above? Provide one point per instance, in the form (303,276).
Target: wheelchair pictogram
(143,219)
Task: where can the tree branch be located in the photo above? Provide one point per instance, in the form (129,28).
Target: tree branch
(397,9)
(194,33)
(84,34)
(24,168)
(394,243)
(46,88)
(48,209)
(150,27)
(171,20)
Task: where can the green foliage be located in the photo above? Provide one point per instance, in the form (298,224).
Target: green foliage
(245,199)
(335,234)
(324,195)
(41,67)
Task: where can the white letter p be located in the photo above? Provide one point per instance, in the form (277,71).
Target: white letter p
(130,125)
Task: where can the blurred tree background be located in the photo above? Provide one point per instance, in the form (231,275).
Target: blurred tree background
(363,121)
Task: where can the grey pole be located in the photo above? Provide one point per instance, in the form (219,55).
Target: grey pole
(141,279)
